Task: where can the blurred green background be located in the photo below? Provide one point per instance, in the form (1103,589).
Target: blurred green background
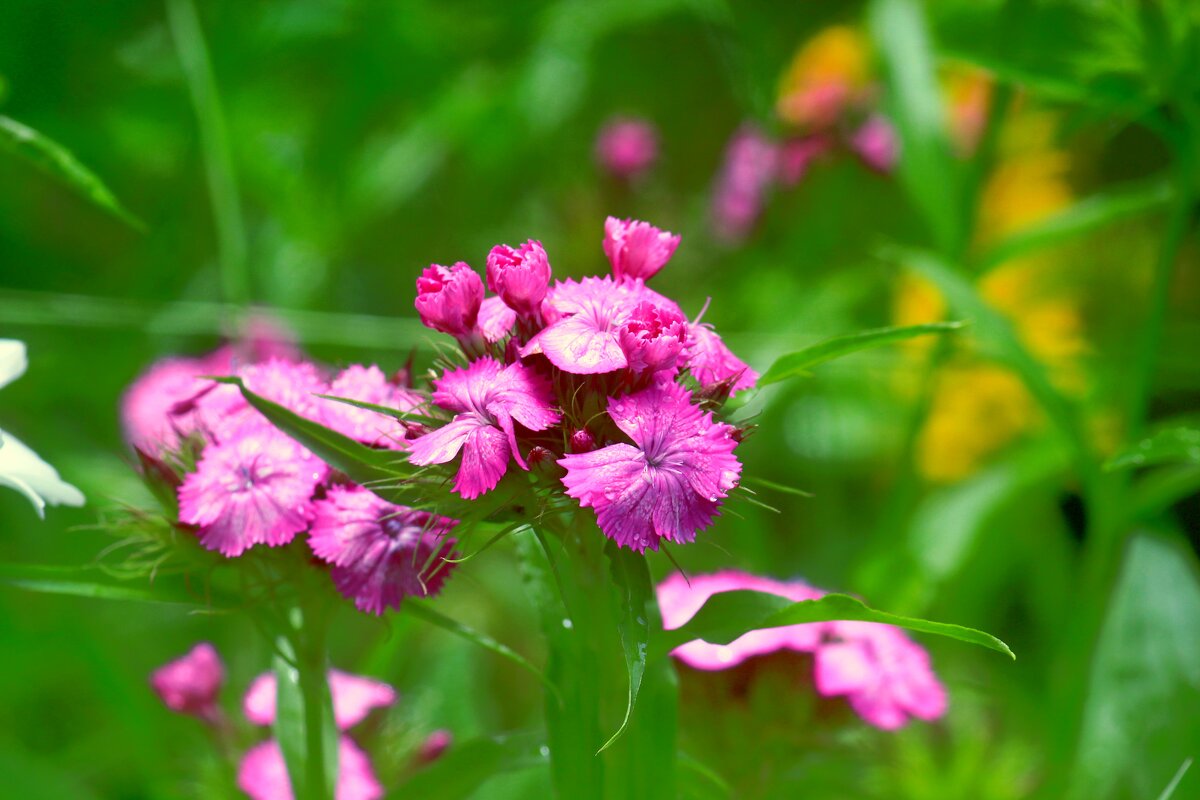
(350,143)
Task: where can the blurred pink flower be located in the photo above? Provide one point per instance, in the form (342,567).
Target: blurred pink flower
(751,165)
(876,144)
(797,155)
(354,697)
(519,276)
(434,746)
(380,552)
(448,298)
(626,147)
(189,684)
(637,249)
(653,337)
(368,385)
(223,410)
(263,773)
(712,363)
(669,483)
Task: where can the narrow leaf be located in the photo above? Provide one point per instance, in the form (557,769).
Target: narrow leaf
(1169,791)
(468,765)
(294,692)
(634,591)
(77,582)
(798,363)
(403,416)
(56,160)
(1170,446)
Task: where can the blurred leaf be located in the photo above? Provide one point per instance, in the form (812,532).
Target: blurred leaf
(1163,488)
(76,581)
(56,160)
(1143,703)
(798,363)
(634,592)
(699,782)
(725,616)
(1170,446)
(292,717)
(1169,791)
(467,766)
(926,167)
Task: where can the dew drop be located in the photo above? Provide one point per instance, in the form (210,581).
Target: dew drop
(568,624)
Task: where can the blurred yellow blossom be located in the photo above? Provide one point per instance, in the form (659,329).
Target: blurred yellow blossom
(828,73)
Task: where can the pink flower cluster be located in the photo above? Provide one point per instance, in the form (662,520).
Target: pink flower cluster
(599,377)
(253,485)
(885,676)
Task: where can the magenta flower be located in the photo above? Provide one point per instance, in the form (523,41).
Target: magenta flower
(876,144)
(448,298)
(627,147)
(488,398)
(653,337)
(669,483)
(751,164)
(189,684)
(354,697)
(368,385)
(157,409)
(637,249)
(263,773)
(519,276)
(712,363)
(496,320)
(797,155)
(885,675)
(380,552)
(251,489)
(223,410)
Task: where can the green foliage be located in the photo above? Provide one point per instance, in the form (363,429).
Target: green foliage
(1178,445)
(468,765)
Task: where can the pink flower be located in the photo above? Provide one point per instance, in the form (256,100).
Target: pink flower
(669,483)
(293,385)
(680,599)
(712,363)
(653,337)
(448,298)
(263,773)
(585,317)
(368,385)
(251,489)
(885,675)
(434,746)
(380,552)
(496,320)
(519,276)
(637,249)
(354,697)
(876,144)
(189,684)
(627,147)
(751,164)
(158,409)
(797,155)
(487,398)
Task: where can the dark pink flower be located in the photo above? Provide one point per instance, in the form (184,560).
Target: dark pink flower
(354,697)
(885,675)
(189,684)
(653,337)
(627,147)
(253,488)
(448,298)
(876,144)
(797,155)
(158,408)
(488,399)
(223,410)
(380,552)
(751,164)
(669,483)
(263,773)
(519,276)
(680,598)
(585,317)
(368,385)
(637,249)
(712,363)
(496,320)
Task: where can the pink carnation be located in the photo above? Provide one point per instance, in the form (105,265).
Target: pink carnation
(488,399)
(189,684)
(263,773)
(251,489)
(653,337)
(637,249)
(368,385)
(520,276)
(495,321)
(627,147)
(876,144)
(751,164)
(448,298)
(885,675)
(712,363)
(158,408)
(380,552)
(669,483)
(293,385)
(354,697)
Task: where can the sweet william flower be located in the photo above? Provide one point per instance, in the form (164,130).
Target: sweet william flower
(669,483)
(876,144)
(263,773)
(626,147)
(223,410)
(380,552)
(189,684)
(368,385)
(637,249)
(488,399)
(653,337)
(448,298)
(495,321)
(354,697)
(519,276)
(712,363)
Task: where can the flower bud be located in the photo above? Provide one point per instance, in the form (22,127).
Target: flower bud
(653,337)
(434,745)
(538,455)
(520,276)
(582,441)
(627,147)
(189,685)
(637,249)
(448,298)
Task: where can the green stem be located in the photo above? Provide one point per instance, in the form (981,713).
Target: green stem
(304,724)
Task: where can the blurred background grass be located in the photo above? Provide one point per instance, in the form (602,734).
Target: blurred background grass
(368,139)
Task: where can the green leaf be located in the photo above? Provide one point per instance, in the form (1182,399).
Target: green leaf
(56,160)
(634,592)
(78,582)
(1143,696)
(403,416)
(1178,445)
(798,363)
(1169,791)
(468,765)
(728,615)
(295,689)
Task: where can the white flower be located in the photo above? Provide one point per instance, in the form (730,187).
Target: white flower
(20,467)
